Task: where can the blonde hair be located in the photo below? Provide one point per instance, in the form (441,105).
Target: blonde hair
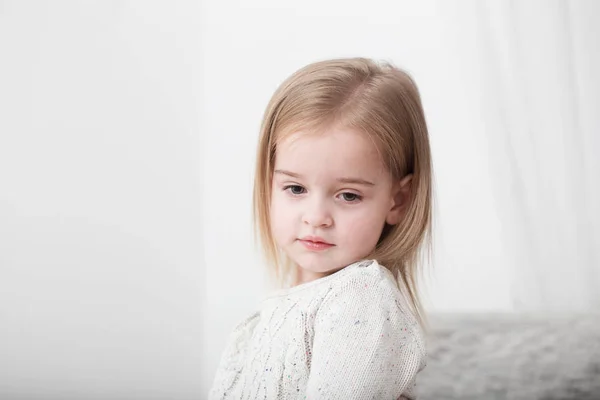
(383,102)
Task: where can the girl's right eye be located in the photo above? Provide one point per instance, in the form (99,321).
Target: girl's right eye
(294,189)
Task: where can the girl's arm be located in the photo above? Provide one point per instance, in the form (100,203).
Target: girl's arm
(365,345)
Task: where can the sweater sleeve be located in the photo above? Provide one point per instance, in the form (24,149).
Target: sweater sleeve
(230,364)
(365,345)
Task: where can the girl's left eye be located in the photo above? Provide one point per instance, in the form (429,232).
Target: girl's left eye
(350,197)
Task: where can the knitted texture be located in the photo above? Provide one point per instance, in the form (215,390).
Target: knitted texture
(349,335)
(507,356)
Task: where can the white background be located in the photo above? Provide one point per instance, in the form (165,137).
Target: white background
(127,138)
(100,200)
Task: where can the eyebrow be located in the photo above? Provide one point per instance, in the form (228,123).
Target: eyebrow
(342,180)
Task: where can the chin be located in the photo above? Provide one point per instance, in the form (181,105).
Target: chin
(318,264)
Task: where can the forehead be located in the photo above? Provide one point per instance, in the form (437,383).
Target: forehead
(337,152)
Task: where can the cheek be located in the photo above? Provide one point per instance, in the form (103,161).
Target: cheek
(364,229)
(280,217)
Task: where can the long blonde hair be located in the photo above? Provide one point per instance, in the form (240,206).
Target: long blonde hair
(382,101)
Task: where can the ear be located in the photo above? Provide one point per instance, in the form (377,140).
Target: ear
(401,193)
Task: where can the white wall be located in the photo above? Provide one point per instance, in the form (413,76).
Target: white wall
(100,200)
(249,48)
(103,179)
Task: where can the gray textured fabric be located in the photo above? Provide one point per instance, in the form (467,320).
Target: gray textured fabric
(511,356)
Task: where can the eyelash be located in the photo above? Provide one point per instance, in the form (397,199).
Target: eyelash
(356,199)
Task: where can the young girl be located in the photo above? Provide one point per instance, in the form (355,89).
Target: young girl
(343,206)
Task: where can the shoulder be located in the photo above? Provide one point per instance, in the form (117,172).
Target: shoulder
(370,290)
(248,322)
(243,330)
(364,309)
(362,278)
(371,270)
(364,285)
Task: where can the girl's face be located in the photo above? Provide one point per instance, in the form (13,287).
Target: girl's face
(331,196)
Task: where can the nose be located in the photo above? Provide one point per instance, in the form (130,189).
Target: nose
(317,215)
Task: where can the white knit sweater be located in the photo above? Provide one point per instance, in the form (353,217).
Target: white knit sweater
(349,335)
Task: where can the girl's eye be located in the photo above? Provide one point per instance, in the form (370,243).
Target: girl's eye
(351,197)
(295,189)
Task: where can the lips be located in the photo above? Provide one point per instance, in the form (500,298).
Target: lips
(315,243)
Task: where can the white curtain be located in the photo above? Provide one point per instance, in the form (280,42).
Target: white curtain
(539,98)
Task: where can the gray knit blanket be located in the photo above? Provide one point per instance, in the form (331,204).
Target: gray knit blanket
(510,356)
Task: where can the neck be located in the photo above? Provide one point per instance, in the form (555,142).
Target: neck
(302,275)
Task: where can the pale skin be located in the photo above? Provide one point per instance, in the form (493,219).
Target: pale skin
(331,197)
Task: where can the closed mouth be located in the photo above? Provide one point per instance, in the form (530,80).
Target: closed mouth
(315,240)
(315,244)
